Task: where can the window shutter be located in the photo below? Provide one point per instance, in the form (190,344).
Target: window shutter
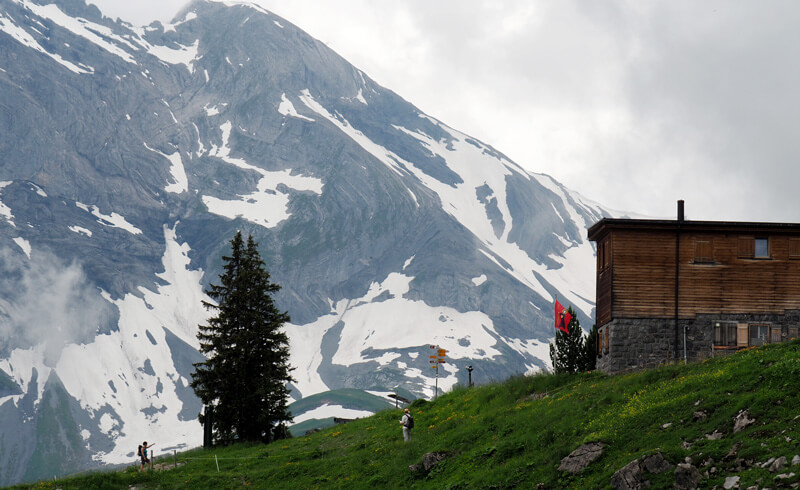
(703,251)
(747,247)
(600,342)
(775,334)
(794,248)
(742,335)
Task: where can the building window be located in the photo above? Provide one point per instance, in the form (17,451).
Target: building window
(703,251)
(794,332)
(601,255)
(759,335)
(725,335)
(761,248)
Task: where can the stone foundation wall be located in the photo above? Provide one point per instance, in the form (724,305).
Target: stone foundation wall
(649,342)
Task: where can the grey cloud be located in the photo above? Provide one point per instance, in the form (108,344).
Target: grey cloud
(51,303)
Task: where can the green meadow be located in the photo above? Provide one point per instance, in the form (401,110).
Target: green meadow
(514,434)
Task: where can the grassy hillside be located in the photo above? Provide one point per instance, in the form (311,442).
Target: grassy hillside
(500,436)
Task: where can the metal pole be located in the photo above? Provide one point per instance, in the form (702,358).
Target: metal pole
(436,393)
(684,344)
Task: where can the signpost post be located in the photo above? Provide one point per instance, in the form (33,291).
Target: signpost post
(436,360)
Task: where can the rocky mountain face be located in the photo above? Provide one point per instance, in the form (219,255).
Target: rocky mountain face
(130,156)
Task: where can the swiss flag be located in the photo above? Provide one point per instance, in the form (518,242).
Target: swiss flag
(562,317)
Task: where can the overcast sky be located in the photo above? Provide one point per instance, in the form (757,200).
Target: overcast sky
(634,104)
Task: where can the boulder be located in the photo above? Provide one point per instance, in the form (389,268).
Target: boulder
(742,420)
(731,482)
(582,457)
(778,464)
(733,452)
(629,477)
(429,460)
(656,463)
(686,477)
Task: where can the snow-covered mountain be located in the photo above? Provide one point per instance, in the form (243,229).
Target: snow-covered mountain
(130,156)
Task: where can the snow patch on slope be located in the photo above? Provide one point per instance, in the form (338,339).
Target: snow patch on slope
(287,109)
(94,33)
(477,167)
(112,220)
(81,230)
(24,244)
(268,205)
(5,211)
(382,154)
(184,55)
(326,411)
(108,373)
(374,322)
(8,26)
(176,169)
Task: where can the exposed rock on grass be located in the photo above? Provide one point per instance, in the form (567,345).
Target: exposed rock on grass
(429,460)
(582,457)
(742,420)
(629,477)
(687,477)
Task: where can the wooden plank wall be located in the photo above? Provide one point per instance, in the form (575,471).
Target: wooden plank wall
(643,267)
(643,272)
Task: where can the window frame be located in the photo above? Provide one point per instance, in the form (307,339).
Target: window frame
(725,335)
(761,254)
(766,337)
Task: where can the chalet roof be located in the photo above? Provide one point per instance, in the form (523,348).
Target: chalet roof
(605,225)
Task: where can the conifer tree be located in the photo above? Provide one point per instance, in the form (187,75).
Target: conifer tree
(244,377)
(567,355)
(590,350)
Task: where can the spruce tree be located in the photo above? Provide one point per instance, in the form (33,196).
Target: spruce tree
(567,355)
(590,350)
(245,375)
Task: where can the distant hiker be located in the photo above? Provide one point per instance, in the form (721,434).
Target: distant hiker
(408,423)
(143,454)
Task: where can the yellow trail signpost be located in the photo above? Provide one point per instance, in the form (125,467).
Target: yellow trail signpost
(435,360)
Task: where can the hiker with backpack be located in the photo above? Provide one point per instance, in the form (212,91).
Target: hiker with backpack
(408,423)
(143,455)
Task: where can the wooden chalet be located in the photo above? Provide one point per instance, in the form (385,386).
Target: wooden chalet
(673,290)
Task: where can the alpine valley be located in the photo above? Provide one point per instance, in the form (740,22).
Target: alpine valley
(129,158)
